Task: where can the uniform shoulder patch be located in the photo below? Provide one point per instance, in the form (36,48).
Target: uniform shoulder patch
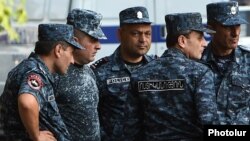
(100,62)
(35,81)
(245,48)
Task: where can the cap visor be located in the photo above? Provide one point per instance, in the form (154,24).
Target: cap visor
(75,44)
(134,21)
(203,29)
(209,30)
(98,34)
(233,21)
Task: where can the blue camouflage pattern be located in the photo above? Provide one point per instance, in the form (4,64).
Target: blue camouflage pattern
(119,115)
(57,32)
(177,97)
(16,84)
(226,13)
(134,15)
(232,83)
(179,23)
(77,99)
(87,21)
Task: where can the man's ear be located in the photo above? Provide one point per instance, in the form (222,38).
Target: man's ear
(58,50)
(76,39)
(182,41)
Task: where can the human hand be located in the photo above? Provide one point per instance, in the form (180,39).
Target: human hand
(46,136)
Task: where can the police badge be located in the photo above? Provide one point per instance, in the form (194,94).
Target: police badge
(233,10)
(139,14)
(35,81)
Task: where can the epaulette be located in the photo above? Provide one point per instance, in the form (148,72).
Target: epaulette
(99,62)
(245,48)
(153,57)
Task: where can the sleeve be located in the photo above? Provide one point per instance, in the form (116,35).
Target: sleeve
(32,83)
(205,99)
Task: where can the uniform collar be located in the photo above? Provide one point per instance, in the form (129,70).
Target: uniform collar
(173,52)
(41,65)
(118,61)
(208,55)
(237,55)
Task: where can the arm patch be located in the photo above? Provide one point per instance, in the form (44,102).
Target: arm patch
(35,81)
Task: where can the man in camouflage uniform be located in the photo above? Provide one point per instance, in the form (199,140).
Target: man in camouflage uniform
(118,114)
(28,103)
(77,92)
(176,93)
(230,63)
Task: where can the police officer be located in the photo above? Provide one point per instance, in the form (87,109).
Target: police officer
(176,93)
(230,63)
(117,112)
(28,103)
(77,92)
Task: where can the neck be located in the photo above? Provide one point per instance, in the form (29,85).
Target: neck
(78,65)
(47,61)
(219,51)
(130,58)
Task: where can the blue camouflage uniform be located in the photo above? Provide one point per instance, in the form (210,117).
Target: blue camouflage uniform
(176,94)
(232,73)
(118,113)
(232,86)
(77,92)
(77,98)
(18,83)
(33,76)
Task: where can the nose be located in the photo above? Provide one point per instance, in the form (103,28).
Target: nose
(235,30)
(203,42)
(98,46)
(72,61)
(142,38)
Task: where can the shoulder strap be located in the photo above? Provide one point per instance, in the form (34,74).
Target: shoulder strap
(99,63)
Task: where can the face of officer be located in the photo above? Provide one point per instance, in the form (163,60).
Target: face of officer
(91,45)
(135,41)
(64,55)
(192,44)
(226,38)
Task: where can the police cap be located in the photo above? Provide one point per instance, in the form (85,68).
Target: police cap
(226,13)
(134,15)
(181,22)
(57,32)
(87,21)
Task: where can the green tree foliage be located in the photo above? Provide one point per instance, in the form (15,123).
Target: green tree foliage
(12,10)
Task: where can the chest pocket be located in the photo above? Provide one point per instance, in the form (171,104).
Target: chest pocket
(242,82)
(240,90)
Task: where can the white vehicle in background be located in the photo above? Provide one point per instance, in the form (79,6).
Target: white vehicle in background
(55,11)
